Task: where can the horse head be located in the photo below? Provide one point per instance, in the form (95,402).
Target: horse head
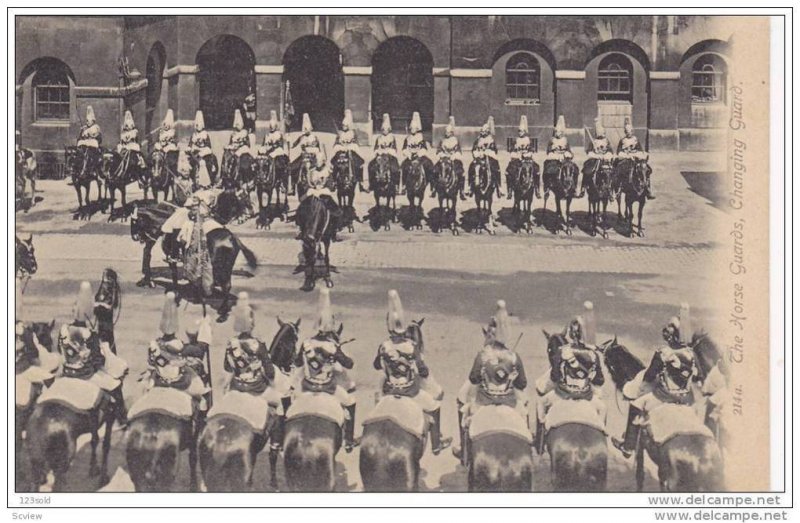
(284,345)
(25,255)
(414,333)
(639,177)
(43,330)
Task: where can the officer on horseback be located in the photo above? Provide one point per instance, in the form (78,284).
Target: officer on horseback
(347,142)
(309,147)
(630,148)
(200,147)
(521,151)
(239,143)
(406,374)
(89,139)
(485,148)
(88,358)
(676,356)
(321,359)
(33,364)
(497,376)
(385,144)
(167,141)
(173,364)
(415,146)
(274,141)
(182,195)
(128,146)
(449,147)
(320,185)
(249,111)
(558,148)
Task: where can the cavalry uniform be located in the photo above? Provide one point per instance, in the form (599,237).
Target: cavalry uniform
(89,139)
(240,143)
(403,368)
(128,145)
(558,149)
(183,188)
(320,184)
(86,357)
(33,364)
(309,147)
(485,147)
(599,150)
(200,148)
(274,141)
(167,141)
(497,376)
(415,146)
(386,146)
(172,363)
(521,151)
(321,361)
(630,148)
(107,302)
(450,148)
(249,112)
(347,142)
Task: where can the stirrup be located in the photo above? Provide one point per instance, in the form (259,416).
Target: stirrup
(620,446)
(443,444)
(350,445)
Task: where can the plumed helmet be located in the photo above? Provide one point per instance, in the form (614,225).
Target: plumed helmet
(347,121)
(576,330)
(18,310)
(686,324)
(671,331)
(321,159)
(386,124)
(325,319)
(238,122)
(501,324)
(490,124)
(169,120)
(243,320)
(523,124)
(561,124)
(169,315)
(273,120)
(395,318)
(451,126)
(628,126)
(599,130)
(590,324)
(90,117)
(307,127)
(84,304)
(184,167)
(199,121)
(127,121)
(416,123)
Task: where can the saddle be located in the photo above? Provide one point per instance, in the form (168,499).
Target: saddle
(76,394)
(318,404)
(563,411)
(401,410)
(248,408)
(671,419)
(164,400)
(491,419)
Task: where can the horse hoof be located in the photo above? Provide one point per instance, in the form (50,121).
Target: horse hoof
(455,232)
(329,284)
(222,318)
(605,235)
(492,233)
(569,232)
(641,234)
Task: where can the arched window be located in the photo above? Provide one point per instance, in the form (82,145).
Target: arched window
(614,78)
(51,92)
(708,79)
(522,77)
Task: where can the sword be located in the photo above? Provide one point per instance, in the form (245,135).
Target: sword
(514,348)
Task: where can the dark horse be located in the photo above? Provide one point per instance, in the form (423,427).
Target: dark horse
(119,171)
(525,186)
(686,462)
(228,447)
(416,173)
(24,257)
(234,172)
(316,234)
(484,185)
(578,451)
(600,192)
(445,183)
(383,183)
(223,249)
(560,179)
(163,168)
(82,172)
(346,180)
(271,175)
(633,177)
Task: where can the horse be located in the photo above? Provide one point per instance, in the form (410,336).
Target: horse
(228,446)
(24,172)
(687,462)
(271,174)
(560,179)
(223,249)
(633,176)
(383,183)
(484,184)
(77,164)
(316,234)
(445,183)
(415,176)
(526,184)
(234,174)
(119,171)
(162,173)
(51,439)
(300,176)
(346,180)
(24,257)
(600,192)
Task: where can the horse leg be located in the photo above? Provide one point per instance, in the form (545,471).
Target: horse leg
(604,219)
(109,423)
(193,456)
(642,201)
(80,196)
(146,273)
(328,280)
(567,220)
(95,430)
(490,218)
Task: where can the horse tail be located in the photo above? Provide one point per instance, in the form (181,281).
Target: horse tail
(152,452)
(579,457)
(252,261)
(309,454)
(225,457)
(501,463)
(692,463)
(389,458)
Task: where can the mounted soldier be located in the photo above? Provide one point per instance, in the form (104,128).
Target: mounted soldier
(522,151)
(239,146)
(107,305)
(321,359)
(347,143)
(90,137)
(497,376)
(309,147)
(385,147)
(182,196)
(275,143)
(400,360)
(558,148)
(167,142)
(415,146)
(485,149)
(320,184)
(630,148)
(89,359)
(200,148)
(248,109)
(34,366)
(128,146)
(600,152)
(450,148)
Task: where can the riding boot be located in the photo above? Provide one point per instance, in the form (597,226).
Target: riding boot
(438,443)
(508,185)
(276,435)
(538,440)
(121,411)
(627,445)
(350,441)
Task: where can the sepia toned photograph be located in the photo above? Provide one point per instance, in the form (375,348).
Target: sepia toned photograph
(266,253)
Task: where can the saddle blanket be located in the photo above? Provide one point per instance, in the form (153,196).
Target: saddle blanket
(403,411)
(670,419)
(81,395)
(586,412)
(165,400)
(318,404)
(498,418)
(251,409)
(209,225)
